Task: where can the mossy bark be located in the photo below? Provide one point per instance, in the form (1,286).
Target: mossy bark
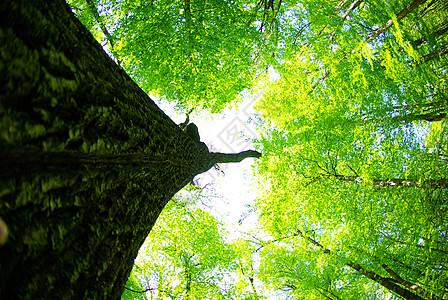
(88,161)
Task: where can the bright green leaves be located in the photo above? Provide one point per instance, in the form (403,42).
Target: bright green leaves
(196,53)
(184,256)
(302,272)
(344,159)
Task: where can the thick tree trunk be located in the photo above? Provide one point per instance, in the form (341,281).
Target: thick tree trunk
(87,160)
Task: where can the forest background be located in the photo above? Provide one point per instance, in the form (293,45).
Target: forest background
(352,185)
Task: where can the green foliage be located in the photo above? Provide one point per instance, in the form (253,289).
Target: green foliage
(197,53)
(185,256)
(345,158)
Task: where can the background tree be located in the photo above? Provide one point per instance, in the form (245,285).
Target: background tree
(219,266)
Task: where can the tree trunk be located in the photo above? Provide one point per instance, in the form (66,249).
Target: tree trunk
(400,15)
(433,55)
(429,117)
(442,29)
(87,160)
(383,281)
(441,183)
(93,9)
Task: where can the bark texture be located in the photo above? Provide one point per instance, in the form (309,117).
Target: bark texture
(87,160)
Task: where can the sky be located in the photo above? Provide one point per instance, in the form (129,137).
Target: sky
(233,191)
(229,132)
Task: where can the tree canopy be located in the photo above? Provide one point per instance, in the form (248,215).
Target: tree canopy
(196,53)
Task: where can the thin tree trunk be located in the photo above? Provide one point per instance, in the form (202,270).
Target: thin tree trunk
(341,5)
(403,13)
(441,183)
(385,282)
(187,273)
(434,6)
(422,106)
(405,283)
(254,291)
(429,117)
(99,20)
(443,28)
(400,15)
(251,281)
(188,20)
(352,7)
(433,55)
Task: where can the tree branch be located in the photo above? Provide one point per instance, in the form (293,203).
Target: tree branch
(398,16)
(233,157)
(99,20)
(140,292)
(149,290)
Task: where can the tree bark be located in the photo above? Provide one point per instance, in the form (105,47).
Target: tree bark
(87,160)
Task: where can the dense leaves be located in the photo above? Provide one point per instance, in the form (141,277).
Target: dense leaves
(184,256)
(354,165)
(199,53)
